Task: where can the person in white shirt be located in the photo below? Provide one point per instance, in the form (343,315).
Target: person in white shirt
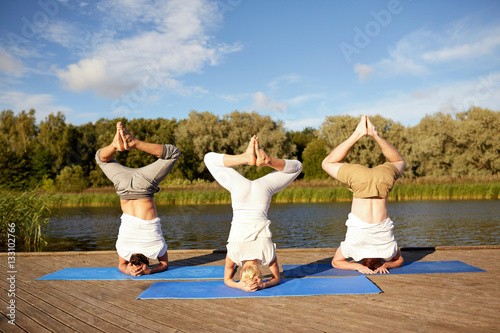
(249,244)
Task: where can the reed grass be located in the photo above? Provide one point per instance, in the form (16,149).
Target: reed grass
(24,217)
(324,191)
(445,191)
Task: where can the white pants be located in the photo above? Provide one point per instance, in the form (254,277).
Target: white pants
(140,236)
(250,201)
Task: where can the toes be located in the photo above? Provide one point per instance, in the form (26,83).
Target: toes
(125,143)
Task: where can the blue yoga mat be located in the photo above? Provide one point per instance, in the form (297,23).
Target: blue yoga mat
(112,273)
(418,267)
(287,287)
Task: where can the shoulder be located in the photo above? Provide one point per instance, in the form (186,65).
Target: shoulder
(346,170)
(394,167)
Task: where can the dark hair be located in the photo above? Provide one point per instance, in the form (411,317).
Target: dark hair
(371,263)
(137,258)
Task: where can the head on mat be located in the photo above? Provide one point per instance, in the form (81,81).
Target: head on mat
(251,272)
(371,263)
(137,259)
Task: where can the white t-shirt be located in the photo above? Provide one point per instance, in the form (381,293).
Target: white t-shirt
(369,240)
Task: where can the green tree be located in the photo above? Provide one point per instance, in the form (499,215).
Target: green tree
(71,179)
(301,139)
(478,142)
(313,155)
(433,146)
(53,138)
(17,134)
(200,133)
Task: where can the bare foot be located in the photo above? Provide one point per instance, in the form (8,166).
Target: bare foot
(262,158)
(250,152)
(117,142)
(128,139)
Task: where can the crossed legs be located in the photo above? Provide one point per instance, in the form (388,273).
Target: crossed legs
(254,155)
(123,140)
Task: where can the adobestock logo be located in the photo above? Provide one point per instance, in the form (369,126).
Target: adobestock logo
(363,37)
(485,88)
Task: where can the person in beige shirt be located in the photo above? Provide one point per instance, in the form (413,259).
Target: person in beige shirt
(369,239)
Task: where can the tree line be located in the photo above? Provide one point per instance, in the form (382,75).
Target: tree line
(58,156)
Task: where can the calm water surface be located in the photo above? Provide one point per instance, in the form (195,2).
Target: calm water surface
(417,223)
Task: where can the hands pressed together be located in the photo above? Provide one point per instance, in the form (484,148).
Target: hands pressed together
(365,127)
(138,270)
(250,285)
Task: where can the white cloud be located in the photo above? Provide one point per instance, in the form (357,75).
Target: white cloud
(403,58)
(464,50)
(302,99)
(67,34)
(10,65)
(300,124)
(363,71)
(233,98)
(262,102)
(451,97)
(283,80)
(426,93)
(42,103)
(420,52)
(170,39)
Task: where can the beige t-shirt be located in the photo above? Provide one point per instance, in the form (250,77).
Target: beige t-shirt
(367,182)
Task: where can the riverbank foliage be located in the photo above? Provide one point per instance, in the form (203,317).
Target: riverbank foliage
(59,157)
(23,218)
(302,191)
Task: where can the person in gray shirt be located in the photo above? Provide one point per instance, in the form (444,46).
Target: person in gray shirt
(140,237)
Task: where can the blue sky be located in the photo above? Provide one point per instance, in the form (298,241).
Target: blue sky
(296,61)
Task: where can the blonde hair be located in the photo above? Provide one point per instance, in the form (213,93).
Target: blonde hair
(250,271)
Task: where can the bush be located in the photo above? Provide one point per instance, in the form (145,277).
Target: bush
(71,179)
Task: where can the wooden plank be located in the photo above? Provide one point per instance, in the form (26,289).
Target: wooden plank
(21,322)
(122,309)
(92,300)
(71,305)
(26,307)
(97,302)
(420,302)
(176,310)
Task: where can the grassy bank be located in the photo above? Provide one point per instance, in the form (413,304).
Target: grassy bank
(22,218)
(298,192)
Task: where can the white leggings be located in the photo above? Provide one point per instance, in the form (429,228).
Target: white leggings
(251,195)
(250,235)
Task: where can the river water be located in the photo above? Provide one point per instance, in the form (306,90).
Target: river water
(417,223)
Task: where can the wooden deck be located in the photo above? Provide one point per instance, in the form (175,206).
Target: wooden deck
(458,302)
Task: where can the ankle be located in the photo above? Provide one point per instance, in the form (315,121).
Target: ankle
(264,160)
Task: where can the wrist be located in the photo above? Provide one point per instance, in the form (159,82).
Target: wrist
(357,135)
